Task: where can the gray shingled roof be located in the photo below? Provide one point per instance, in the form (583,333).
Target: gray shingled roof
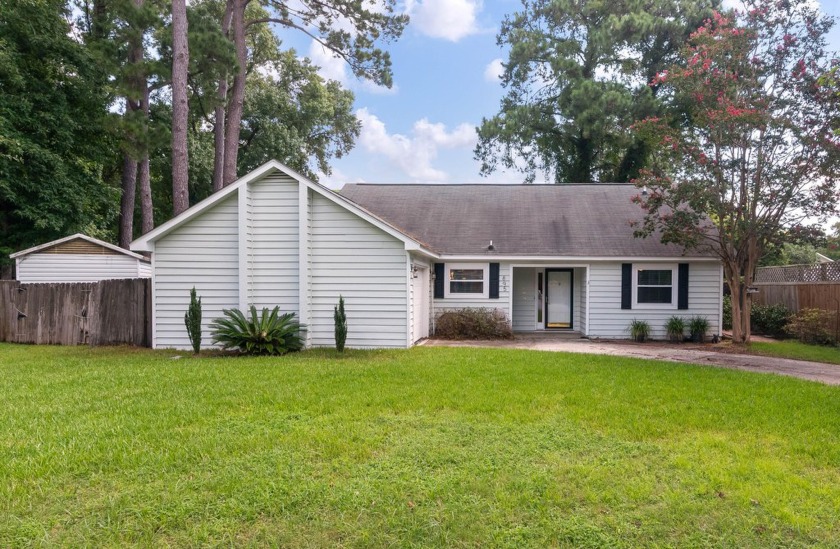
(552,220)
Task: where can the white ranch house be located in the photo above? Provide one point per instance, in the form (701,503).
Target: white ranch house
(78,258)
(551,257)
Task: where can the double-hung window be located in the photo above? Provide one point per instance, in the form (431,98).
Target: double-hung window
(655,286)
(467,280)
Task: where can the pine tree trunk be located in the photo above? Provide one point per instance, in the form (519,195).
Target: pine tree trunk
(180,108)
(129,189)
(220,112)
(147,220)
(237,93)
(134,83)
(144,183)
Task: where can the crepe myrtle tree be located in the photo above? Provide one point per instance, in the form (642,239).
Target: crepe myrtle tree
(755,155)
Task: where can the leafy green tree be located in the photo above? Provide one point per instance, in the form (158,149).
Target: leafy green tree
(832,244)
(353,30)
(757,156)
(53,143)
(577,78)
(290,113)
(296,117)
(119,34)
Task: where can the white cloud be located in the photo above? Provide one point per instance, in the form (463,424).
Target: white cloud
(447,19)
(336,179)
(414,154)
(494,70)
(332,67)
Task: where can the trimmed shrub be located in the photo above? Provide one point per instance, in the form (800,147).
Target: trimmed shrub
(473,324)
(270,333)
(192,320)
(675,328)
(769,319)
(639,330)
(812,326)
(340,325)
(697,327)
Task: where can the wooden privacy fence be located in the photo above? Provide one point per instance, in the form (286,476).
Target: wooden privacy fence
(109,312)
(798,296)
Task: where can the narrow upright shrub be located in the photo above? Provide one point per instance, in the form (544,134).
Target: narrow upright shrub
(675,328)
(340,325)
(192,320)
(698,326)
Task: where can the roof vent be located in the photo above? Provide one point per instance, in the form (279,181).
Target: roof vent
(644,191)
(491,247)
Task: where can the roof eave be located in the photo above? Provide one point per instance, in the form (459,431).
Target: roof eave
(85,237)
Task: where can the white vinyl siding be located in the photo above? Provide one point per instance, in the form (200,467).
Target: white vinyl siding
(608,320)
(273,244)
(524,299)
(423,280)
(144,270)
(577,299)
(458,302)
(50,267)
(353,258)
(525,296)
(203,253)
(580,280)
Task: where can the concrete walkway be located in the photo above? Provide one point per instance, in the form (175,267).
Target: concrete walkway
(813,371)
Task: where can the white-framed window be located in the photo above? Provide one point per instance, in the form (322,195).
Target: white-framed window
(655,286)
(467,280)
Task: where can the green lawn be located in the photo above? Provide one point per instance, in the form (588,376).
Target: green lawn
(427,447)
(798,351)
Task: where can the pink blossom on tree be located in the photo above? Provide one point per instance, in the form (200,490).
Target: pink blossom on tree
(756,154)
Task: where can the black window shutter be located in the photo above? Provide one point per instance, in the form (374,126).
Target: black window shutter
(439,280)
(494,281)
(626,285)
(682,288)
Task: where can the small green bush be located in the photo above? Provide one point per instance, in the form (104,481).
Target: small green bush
(270,333)
(340,319)
(697,327)
(769,319)
(727,312)
(192,320)
(675,328)
(473,324)
(639,330)
(812,326)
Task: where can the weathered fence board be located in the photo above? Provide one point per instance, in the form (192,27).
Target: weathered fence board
(97,313)
(796,297)
(787,295)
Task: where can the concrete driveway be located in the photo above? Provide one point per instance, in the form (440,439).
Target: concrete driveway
(813,371)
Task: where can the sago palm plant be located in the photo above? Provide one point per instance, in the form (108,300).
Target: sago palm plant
(268,333)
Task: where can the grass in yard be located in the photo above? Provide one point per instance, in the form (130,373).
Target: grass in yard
(797,351)
(426,447)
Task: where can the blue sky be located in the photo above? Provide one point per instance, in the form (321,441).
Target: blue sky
(445,67)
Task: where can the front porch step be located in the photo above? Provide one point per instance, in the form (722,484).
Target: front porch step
(543,335)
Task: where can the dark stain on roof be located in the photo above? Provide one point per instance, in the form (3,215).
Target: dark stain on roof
(583,220)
